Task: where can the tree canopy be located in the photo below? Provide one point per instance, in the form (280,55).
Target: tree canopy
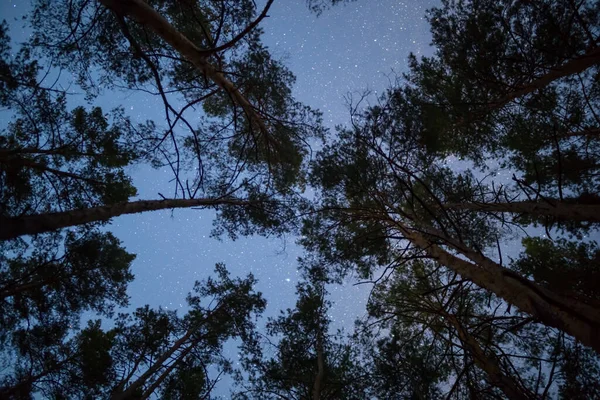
(309,361)
(492,139)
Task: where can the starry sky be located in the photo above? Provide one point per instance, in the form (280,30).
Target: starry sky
(350,48)
(347,49)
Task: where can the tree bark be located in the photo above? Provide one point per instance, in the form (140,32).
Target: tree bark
(144,14)
(11,228)
(489,365)
(559,210)
(575,318)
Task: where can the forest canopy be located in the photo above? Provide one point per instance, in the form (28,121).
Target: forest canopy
(511,89)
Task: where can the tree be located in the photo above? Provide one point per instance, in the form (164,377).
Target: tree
(150,351)
(567,267)
(384,184)
(309,362)
(45,287)
(558,210)
(378,188)
(436,335)
(61,169)
(66,169)
(579,373)
(40,223)
(252,133)
(249,147)
(53,159)
(90,272)
(248,150)
(513,82)
(497,60)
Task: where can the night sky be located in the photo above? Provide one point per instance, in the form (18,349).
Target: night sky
(349,48)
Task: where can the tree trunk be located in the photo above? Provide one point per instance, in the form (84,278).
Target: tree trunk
(148,392)
(11,228)
(574,66)
(320,369)
(24,162)
(557,209)
(159,363)
(144,14)
(7,154)
(589,132)
(575,318)
(9,291)
(489,365)
(138,383)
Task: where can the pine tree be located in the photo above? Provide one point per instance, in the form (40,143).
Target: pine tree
(251,134)
(148,352)
(308,361)
(384,184)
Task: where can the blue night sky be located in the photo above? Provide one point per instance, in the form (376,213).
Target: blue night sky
(347,49)
(350,48)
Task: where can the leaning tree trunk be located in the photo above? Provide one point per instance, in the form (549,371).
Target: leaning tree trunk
(557,209)
(165,357)
(572,67)
(141,12)
(155,385)
(158,365)
(11,228)
(12,290)
(575,318)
